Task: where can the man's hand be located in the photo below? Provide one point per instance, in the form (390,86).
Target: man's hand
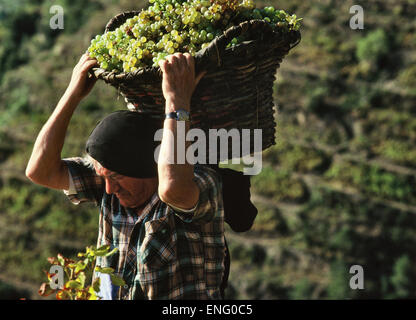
(179,81)
(81,81)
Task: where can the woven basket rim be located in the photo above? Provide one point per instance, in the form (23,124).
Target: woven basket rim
(290,39)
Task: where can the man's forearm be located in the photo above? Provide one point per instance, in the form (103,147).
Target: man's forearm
(176,183)
(45,166)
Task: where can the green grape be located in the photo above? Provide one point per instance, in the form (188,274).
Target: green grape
(202,37)
(177,25)
(208,15)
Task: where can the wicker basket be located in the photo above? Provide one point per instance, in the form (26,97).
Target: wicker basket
(236,92)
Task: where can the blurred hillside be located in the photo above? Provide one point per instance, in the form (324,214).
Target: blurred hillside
(338,188)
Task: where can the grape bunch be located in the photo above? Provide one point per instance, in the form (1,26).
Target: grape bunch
(169,26)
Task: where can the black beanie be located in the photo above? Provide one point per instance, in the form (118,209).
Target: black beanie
(123,142)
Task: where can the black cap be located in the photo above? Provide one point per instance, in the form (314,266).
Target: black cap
(124,142)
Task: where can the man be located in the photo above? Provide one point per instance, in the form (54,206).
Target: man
(166,219)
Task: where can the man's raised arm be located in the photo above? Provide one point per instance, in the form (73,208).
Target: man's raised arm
(176,185)
(45,166)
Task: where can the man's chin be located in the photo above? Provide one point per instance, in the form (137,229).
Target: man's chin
(128,204)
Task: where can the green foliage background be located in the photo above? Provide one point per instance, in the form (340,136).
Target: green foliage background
(337,189)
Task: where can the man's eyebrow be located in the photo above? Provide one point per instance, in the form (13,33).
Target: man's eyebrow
(112,175)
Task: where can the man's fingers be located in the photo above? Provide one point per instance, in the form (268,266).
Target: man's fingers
(180,57)
(163,64)
(90,58)
(172,59)
(88,65)
(90,62)
(182,63)
(189,59)
(84,58)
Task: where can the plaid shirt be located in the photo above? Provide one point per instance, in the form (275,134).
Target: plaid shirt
(163,253)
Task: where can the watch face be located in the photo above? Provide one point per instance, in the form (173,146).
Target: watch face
(182,115)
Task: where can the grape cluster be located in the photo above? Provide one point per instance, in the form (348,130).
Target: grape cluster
(169,26)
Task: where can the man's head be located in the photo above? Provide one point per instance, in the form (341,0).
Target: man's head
(132,192)
(122,150)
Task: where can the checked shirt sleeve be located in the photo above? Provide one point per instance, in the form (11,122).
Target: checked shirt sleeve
(86,185)
(210,197)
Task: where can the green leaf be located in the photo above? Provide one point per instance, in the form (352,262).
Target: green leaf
(98,269)
(112,252)
(103,248)
(61,259)
(116,280)
(93,295)
(100,253)
(90,251)
(72,284)
(96,284)
(81,279)
(107,270)
(80,266)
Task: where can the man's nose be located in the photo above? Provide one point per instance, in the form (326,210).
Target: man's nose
(111,186)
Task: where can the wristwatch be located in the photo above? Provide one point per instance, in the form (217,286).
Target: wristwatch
(179,115)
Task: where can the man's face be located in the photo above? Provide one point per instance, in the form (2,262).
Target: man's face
(132,192)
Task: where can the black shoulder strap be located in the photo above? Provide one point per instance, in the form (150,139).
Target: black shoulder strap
(239,211)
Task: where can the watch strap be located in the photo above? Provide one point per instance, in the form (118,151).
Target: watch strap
(175,115)
(171,115)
